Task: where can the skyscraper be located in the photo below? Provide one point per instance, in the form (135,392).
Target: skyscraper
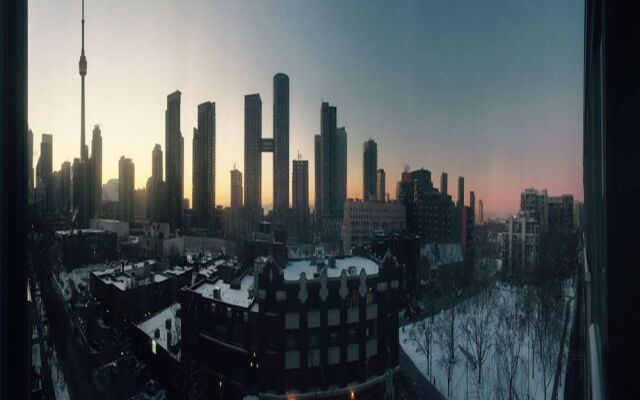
(317,204)
(281,142)
(444,184)
(369,168)
(341,134)
(156,163)
(300,183)
(329,160)
(460,192)
(126,178)
(204,165)
(84,156)
(381,189)
(174,144)
(156,189)
(45,162)
(252,151)
(65,186)
(472,200)
(236,188)
(333,167)
(96,159)
(480,212)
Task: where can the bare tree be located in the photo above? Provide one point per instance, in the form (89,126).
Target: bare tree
(478,329)
(509,343)
(422,335)
(446,339)
(546,320)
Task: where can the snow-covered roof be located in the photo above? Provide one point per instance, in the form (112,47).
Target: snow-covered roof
(158,321)
(295,268)
(242,297)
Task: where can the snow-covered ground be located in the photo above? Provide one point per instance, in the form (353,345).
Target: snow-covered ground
(503,317)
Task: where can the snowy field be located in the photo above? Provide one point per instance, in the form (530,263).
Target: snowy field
(513,333)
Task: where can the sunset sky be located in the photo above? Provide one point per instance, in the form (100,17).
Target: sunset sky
(491,91)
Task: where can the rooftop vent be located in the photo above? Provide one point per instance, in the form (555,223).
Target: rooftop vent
(156,333)
(167,324)
(352,271)
(216,293)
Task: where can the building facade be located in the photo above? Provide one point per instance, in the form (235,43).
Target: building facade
(204,166)
(126,189)
(369,168)
(363,218)
(520,245)
(236,189)
(174,161)
(253,151)
(300,184)
(281,142)
(319,327)
(381,188)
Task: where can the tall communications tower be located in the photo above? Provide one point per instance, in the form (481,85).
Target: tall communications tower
(83,71)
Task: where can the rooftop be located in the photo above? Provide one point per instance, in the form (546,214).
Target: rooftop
(158,321)
(242,297)
(352,265)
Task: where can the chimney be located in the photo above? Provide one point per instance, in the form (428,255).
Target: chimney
(156,333)
(167,324)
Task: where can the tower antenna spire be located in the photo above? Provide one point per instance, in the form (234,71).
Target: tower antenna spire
(83,71)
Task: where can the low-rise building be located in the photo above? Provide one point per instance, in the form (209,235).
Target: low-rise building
(79,247)
(130,292)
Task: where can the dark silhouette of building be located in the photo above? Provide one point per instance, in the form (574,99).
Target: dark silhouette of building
(96,158)
(444,184)
(45,162)
(460,202)
(300,184)
(317,204)
(253,151)
(381,188)
(430,215)
(281,143)
(126,182)
(333,150)
(174,164)
(369,168)
(204,166)
(236,188)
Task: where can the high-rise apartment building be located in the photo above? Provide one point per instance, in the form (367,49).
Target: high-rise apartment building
(236,188)
(460,203)
(472,200)
(281,142)
(45,162)
(65,187)
(369,168)
(126,181)
(204,177)
(480,212)
(535,203)
(317,204)
(561,213)
(174,160)
(253,151)
(444,178)
(381,189)
(333,149)
(341,135)
(96,159)
(300,186)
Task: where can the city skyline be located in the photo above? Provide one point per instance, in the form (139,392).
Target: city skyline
(461,128)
